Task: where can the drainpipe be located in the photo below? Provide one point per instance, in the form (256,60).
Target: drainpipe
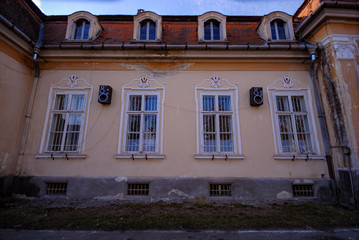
(323,125)
(31,101)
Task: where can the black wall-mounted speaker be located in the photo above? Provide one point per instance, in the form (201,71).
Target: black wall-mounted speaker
(105,94)
(256,96)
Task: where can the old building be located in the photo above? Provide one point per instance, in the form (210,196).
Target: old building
(151,107)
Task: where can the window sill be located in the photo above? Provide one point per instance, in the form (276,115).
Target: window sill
(299,157)
(60,155)
(219,156)
(140,156)
(146,41)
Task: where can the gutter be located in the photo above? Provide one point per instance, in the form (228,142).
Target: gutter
(16,30)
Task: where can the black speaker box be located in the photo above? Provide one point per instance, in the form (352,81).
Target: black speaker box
(256,96)
(105,94)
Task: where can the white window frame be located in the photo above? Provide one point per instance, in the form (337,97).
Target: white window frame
(142,113)
(147,29)
(217,113)
(94,30)
(143,16)
(67,112)
(292,114)
(211,30)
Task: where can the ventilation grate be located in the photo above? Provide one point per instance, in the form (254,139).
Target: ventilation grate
(139,189)
(220,190)
(56,188)
(302,190)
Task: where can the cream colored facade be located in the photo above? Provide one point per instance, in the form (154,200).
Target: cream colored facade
(179,78)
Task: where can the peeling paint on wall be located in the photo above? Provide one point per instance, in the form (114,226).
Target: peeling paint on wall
(159,69)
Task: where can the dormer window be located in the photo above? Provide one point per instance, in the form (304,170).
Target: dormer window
(82,26)
(147,27)
(148,30)
(278,29)
(211,30)
(82,30)
(276,26)
(212,27)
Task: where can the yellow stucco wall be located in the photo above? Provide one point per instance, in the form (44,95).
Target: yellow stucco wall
(179,133)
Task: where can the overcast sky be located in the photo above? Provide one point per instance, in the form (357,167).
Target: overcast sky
(168,7)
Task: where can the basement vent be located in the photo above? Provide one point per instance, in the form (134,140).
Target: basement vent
(139,189)
(56,188)
(303,190)
(220,190)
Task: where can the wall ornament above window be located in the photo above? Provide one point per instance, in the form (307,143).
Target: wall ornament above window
(73,81)
(144,82)
(216,82)
(287,82)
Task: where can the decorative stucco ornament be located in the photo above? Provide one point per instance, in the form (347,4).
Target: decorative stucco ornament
(216,82)
(344,51)
(144,82)
(73,81)
(287,82)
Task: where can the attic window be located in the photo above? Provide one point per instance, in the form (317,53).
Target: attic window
(82,30)
(212,27)
(147,27)
(278,29)
(211,30)
(82,26)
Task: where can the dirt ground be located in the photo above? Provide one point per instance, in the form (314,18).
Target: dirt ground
(57,213)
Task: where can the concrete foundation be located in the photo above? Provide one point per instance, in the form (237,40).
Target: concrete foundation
(174,189)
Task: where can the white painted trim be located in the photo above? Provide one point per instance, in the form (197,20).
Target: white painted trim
(294,157)
(219,156)
(60,155)
(140,156)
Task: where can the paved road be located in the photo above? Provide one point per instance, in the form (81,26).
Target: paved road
(335,234)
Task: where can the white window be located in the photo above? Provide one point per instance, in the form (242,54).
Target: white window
(82,28)
(293,124)
(66,122)
(212,30)
(279,30)
(147,27)
(217,124)
(142,123)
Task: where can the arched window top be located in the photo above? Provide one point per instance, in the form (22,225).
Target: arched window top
(212,27)
(82,26)
(276,26)
(147,27)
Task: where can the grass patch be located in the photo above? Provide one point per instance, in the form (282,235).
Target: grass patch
(189,216)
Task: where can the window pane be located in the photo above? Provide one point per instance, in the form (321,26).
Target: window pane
(149,136)
(282,103)
(151,103)
(152,31)
(72,132)
(86,31)
(56,132)
(135,103)
(78,31)
(303,133)
(209,133)
(216,35)
(77,102)
(281,30)
(61,102)
(286,133)
(207,30)
(225,129)
(208,103)
(298,104)
(273,31)
(133,133)
(143,30)
(224,103)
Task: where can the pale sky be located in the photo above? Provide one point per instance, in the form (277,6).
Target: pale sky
(168,7)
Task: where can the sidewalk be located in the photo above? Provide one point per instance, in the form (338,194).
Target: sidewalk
(334,234)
